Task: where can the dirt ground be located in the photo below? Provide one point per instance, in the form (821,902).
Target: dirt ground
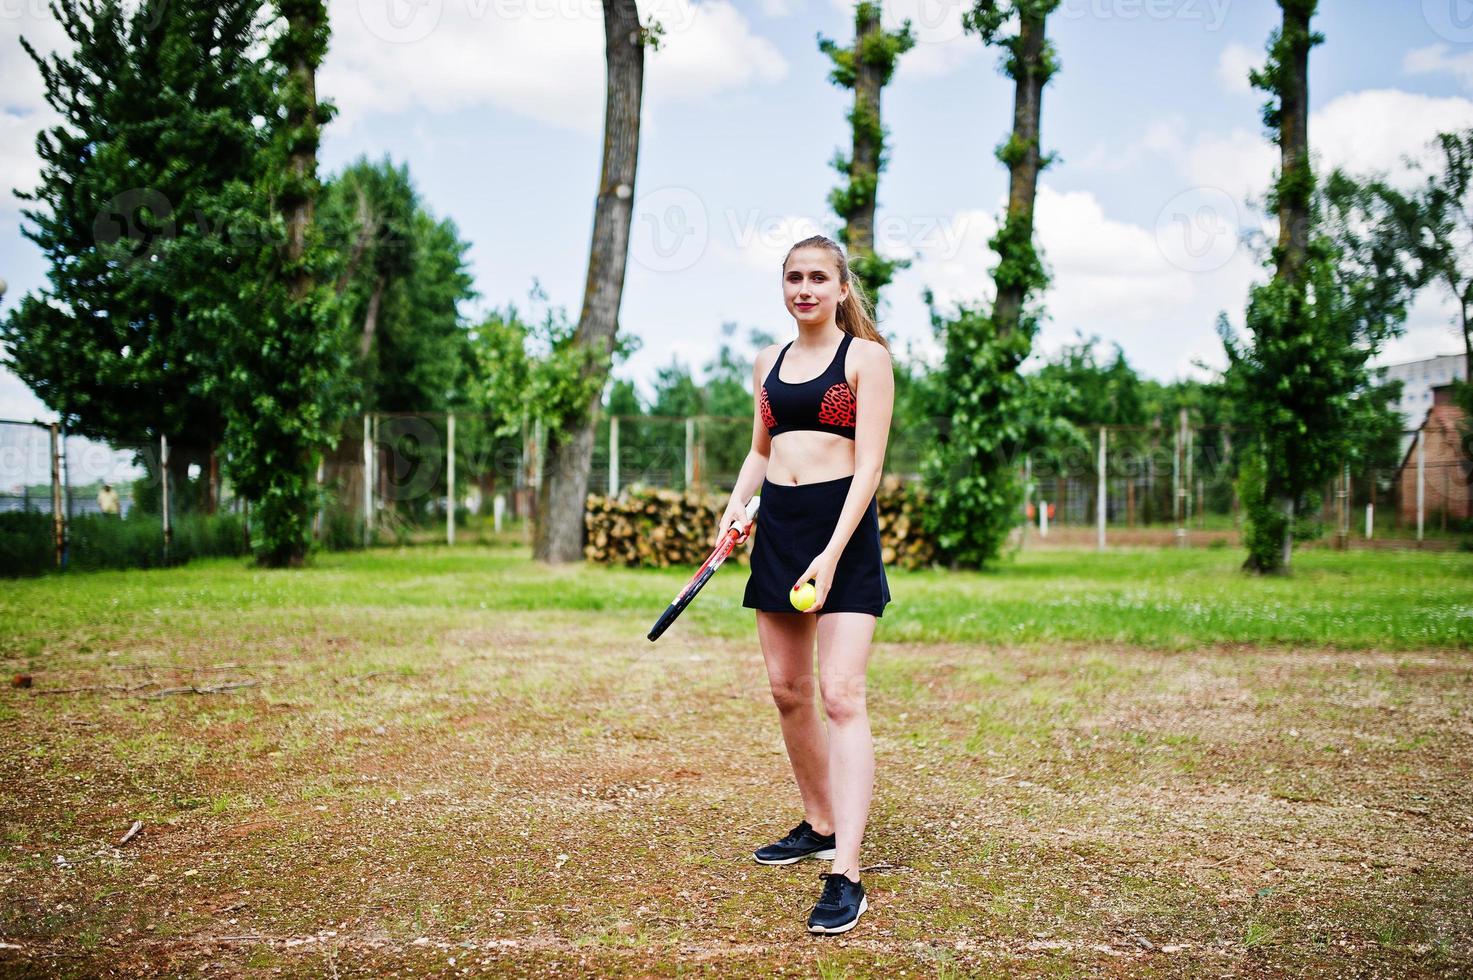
(444,792)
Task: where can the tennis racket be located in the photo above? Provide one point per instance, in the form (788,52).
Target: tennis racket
(734,536)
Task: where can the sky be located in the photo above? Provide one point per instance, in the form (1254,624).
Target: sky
(497,107)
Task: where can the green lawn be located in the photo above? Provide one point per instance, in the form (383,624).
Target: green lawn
(1137,763)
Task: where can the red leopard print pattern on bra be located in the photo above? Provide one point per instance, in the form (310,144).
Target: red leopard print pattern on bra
(838,406)
(766,408)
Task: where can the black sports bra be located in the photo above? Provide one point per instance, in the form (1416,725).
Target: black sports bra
(824,403)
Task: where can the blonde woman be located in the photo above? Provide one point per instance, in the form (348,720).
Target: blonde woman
(822,421)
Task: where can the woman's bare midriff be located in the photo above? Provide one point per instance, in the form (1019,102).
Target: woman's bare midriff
(809,456)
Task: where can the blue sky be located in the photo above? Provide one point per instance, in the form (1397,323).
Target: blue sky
(496,105)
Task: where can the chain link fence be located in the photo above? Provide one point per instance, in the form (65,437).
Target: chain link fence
(392,476)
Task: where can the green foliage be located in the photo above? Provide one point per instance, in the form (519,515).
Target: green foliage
(401,277)
(160,104)
(286,387)
(537,371)
(97,541)
(26,543)
(988,18)
(988,417)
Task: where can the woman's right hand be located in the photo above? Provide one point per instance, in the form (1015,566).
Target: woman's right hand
(735,514)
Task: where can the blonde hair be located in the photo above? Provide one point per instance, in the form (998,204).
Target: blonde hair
(855,315)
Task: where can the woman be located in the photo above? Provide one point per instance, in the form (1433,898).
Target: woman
(818,446)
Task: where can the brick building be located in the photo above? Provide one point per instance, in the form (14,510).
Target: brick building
(1447,467)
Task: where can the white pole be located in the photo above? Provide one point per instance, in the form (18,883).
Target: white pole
(367,480)
(498,508)
(1100,503)
(1176,489)
(450,478)
(164,472)
(614,456)
(1043,518)
(1421,483)
(690,451)
(1370,519)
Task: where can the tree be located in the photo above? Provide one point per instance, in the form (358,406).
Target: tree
(400,276)
(1300,386)
(160,105)
(866,68)
(1031,61)
(987,414)
(559,532)
(1441,217)
(286,389)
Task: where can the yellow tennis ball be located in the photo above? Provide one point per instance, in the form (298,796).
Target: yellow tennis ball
(803,596)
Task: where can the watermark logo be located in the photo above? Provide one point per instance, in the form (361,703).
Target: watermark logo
(401,21)
(136,223)
(1451,20)
(1198,229)
(671,229)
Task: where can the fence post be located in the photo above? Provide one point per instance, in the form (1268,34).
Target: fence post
(367,479)
(1176,487)
(1100,503)
(450,478)
(690,450)
(613,456)
(164,473)
(57,529)
(317,519)
(1421,482)
(1042,518)
(1370,518)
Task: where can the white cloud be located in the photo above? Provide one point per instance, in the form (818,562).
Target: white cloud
(24,112)
(1109,277)
(541,59)
(1438,58)
(1233,66)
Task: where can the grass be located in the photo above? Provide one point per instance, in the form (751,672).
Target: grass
(1133,763)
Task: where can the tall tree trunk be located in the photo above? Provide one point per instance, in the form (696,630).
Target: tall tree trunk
(1295,184)
(559,531)
(1023,156)
(370,317)
(864,165)
(304,19)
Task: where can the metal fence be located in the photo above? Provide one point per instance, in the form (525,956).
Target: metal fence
(391,476)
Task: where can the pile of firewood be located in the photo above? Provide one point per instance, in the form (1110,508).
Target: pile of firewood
(665,528)
(654,528)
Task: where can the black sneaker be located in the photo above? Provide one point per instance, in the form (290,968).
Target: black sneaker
(800,843)
(840,906)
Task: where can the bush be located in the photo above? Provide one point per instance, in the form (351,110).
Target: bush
(25,543)
(98,541)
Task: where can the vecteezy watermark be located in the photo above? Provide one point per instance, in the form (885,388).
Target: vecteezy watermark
(1199,229)
(139,220)
(1451,20)
(1211,13)
(670,230)
(408,21)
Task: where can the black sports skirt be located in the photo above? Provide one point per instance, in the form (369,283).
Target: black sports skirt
(794,524)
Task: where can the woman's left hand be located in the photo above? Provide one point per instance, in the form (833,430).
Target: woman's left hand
(821,571)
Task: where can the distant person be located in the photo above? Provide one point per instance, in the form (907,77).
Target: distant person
(107,500)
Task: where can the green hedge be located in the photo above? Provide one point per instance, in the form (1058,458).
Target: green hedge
(97,541)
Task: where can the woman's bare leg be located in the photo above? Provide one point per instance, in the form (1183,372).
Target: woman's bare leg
(843,656)
(787,647)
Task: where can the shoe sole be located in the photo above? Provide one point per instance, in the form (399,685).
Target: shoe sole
(820,930)
(824,855)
